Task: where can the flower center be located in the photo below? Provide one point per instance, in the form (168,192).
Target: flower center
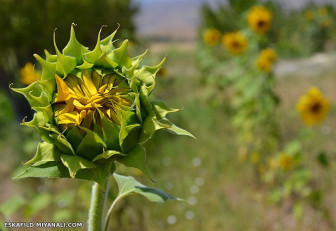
(84,100)
(236,44)
(261,23)
(316,108)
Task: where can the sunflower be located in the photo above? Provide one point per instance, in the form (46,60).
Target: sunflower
(28,74)
(326,22)
(309,15)
(285,161)
(313,106)
(235,42)
(212,37)
(266,60)
(93,110)
(323,11)
(260,19)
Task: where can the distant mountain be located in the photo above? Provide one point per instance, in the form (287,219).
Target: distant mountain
(179,19)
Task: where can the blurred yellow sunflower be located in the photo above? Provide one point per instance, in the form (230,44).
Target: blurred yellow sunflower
(235,42)
(309,15)
(286,161)
(212,37)
(313,106)
(259,19)
(323,11)
(266,59)
(28,74)
(163,72)
(326,22)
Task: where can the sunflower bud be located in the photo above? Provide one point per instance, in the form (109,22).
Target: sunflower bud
(92,110)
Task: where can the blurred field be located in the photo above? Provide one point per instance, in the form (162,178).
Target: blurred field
(223,192)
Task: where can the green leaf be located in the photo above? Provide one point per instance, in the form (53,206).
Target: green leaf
(128,118)
(161,109)
(50,58)
(136,60)
(48,68)
(136,158)
(38,122)
(65,64)
(93,56)
(147,75)
(98,57)
(97,174)
(47,112)
(129,137)
(106,45)
(107,154)
(45,152)
(120,56)
(150,125)
(128,185)
(110,133)
(49,87)
(144,98)
(91,146)
(75,163)
(85,65)
(74,137)
(47,170)
(32,94)
(138,107)
(179,131)
(74,48)
(62,143)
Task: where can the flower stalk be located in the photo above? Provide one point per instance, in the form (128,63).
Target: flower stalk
(97,206)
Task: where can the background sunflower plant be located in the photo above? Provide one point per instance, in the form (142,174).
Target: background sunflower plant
(92,110)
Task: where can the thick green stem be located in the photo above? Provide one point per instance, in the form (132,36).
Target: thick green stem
(97,206)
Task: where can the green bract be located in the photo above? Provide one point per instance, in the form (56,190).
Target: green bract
(92,110)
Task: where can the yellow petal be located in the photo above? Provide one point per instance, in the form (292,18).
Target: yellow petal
(64,108)
(88,84)
(69,118)
(78,104)
(74,84)
(63,90)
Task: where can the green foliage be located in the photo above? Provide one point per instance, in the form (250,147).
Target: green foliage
(12,205)
(6,114)
(128,185)
(225,17)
